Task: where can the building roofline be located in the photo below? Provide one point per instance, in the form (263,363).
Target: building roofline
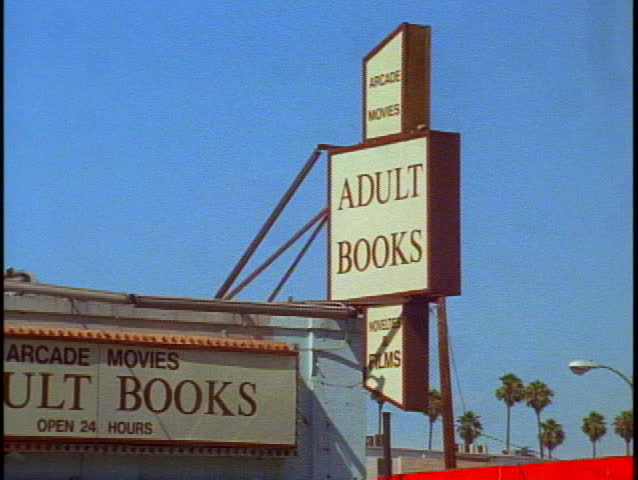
(310,309)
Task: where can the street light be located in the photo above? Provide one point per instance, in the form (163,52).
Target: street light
(580,367)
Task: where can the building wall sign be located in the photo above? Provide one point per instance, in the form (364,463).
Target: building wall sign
(143,392)
(397,354)
(394,218)
(396,83)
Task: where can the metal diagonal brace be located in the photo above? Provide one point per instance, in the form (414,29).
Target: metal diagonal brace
(271,220)
(321,215)
(298,258)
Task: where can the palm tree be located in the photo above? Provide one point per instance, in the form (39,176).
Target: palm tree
(511,392)
(469,427)
(538,396)
(433,411)
(552,434)
(624,426)
(594,427)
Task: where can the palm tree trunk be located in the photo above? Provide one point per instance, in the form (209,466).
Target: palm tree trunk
(627,447)
(540,440)
(507,438)
(594,448)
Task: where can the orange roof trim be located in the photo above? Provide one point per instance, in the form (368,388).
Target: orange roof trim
(152,339)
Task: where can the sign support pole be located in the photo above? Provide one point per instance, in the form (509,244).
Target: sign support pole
(387,448)
(446,386)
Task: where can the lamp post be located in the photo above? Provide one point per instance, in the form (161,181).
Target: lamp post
(580,367)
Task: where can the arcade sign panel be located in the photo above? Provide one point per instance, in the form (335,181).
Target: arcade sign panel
(83,387)
(394,219)
(396,83)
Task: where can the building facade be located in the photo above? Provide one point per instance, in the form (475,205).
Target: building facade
(326,417)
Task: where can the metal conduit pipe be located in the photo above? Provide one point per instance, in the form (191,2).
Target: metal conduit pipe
(300,309)
(263,308)
(60,291)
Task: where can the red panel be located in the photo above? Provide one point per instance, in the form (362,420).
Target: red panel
(610,468)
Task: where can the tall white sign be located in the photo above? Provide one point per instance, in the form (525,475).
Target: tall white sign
(383,82)
(397,353)
(384,352)
(396,84)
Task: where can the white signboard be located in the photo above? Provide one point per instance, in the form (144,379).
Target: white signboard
(384,351)
(378,228)
(383,90)
(396,84)
(394,223)
(77,391)
(397,353)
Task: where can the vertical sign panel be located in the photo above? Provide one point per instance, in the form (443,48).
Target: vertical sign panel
(384,350)
(396,84)
(397,353)
(383,74)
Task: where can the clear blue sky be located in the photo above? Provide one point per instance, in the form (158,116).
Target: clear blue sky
(147,141)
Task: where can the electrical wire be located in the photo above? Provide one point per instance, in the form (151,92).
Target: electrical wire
(358,384)
(456,374)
